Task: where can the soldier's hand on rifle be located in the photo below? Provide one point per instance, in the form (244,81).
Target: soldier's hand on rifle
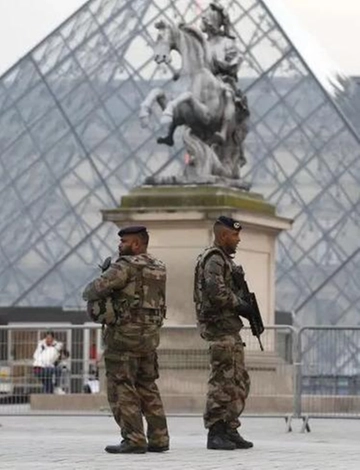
(245,309)
(106,264)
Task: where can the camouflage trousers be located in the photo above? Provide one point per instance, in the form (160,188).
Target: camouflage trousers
(229,382)
(132,394)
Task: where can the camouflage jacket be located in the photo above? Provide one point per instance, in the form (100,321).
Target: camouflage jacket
(129,298)
(216,300)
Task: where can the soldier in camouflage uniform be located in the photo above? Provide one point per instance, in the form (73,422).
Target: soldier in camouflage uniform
(218,307)
(129,299)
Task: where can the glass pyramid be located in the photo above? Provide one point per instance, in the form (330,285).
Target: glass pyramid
(71,145)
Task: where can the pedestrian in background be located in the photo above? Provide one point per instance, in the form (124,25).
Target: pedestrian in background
(46,363)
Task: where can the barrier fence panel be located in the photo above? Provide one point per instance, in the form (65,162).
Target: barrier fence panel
(329,371)
(312,372)
(271,371)
(184,370)
(183,363)
(26,389)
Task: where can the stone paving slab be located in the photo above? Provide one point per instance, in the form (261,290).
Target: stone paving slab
(77,443)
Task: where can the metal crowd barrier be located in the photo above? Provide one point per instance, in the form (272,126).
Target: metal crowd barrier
(311,372)
(328,371)
(78,368)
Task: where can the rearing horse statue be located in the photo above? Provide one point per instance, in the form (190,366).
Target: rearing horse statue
(207,109)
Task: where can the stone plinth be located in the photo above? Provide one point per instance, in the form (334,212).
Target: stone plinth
(180,221)
(194,403)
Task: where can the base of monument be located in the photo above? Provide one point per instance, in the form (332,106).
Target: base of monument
(173,404)
(189,197)
(194,404)
(180,222)
(183,180)
(71,402)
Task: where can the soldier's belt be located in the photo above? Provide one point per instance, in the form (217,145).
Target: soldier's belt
(146,311)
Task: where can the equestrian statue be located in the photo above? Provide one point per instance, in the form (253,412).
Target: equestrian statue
(213,111)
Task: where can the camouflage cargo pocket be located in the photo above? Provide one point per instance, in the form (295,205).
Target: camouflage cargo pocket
(134,338)
(148,368)
(222,359)
(154,279)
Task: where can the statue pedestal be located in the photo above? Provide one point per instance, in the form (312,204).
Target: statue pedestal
(180,221)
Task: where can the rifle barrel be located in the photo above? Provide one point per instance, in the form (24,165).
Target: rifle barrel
(260,343)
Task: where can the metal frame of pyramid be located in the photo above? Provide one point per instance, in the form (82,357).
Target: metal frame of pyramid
(71,145)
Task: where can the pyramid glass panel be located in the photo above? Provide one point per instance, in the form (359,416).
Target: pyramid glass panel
(71,145)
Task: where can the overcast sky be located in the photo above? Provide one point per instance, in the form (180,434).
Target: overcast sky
(334,23)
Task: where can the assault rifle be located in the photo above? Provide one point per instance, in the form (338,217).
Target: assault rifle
(255,320)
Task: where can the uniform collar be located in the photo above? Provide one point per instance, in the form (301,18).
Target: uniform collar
(222,249)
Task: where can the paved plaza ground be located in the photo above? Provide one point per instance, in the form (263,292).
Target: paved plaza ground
(77,443)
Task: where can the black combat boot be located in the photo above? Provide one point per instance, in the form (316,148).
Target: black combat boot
(125,447)
(238,440)
(218,439)
(152,448)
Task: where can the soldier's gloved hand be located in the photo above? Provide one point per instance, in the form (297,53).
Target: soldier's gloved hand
(106,264)
(245,310)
